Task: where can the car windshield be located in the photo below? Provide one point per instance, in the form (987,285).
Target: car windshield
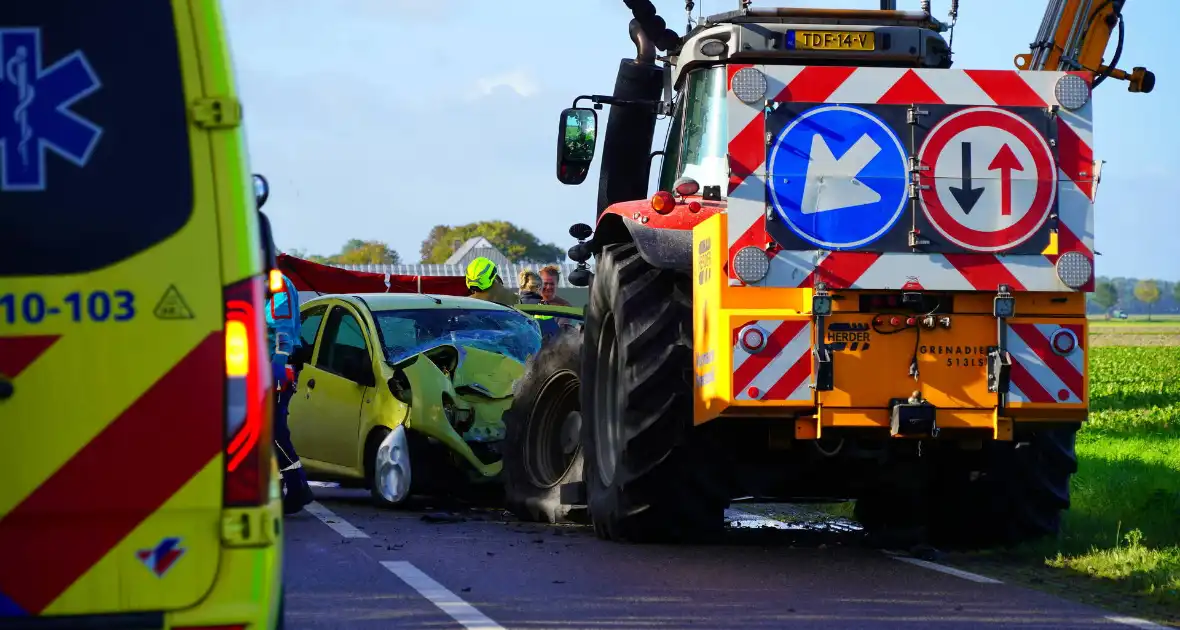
(697,138)
(405,333)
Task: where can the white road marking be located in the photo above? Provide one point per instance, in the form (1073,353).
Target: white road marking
(342,527)
(942,568)
(445,600)
(448,602)
(1134,621)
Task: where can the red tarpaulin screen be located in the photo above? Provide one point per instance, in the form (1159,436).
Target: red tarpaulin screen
(312,276)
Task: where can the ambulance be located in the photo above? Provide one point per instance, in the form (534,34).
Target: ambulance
(138,486)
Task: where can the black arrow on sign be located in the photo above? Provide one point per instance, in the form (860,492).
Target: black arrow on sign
(966,196)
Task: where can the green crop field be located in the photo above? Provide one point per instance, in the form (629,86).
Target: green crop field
(1135,333)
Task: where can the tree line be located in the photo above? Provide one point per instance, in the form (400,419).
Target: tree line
(1134,296)
(517,244)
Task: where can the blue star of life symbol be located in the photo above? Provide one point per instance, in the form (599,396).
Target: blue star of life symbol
(34,110)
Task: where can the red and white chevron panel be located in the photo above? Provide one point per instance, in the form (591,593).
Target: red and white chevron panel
(1040,375)
(781,370)
(903,87)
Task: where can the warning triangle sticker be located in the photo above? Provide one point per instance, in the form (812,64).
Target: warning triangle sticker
(172,305)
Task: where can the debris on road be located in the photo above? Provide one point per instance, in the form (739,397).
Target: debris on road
(443,517)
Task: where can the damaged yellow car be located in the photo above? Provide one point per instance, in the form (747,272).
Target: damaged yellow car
(403,394)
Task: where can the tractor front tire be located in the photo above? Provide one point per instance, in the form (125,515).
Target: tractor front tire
(542,441)
(649,475)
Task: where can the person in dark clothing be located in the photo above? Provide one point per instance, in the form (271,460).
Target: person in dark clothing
(530,293)
(530,287)
(287,357)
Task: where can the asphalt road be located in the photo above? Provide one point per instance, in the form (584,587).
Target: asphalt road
(350,565)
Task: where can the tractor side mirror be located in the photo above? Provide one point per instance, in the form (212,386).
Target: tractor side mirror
(261,190)
(576,141)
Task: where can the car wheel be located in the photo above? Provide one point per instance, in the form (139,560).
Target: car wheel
(542,433)
(392,482)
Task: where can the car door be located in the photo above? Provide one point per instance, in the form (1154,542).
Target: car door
(298,418)
(335,387)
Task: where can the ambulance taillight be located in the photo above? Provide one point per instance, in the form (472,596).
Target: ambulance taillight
(248,394)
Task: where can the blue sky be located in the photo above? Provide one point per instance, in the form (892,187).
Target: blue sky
(379,119)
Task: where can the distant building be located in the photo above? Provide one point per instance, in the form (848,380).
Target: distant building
(474,248)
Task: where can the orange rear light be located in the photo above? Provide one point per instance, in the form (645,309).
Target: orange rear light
(248,395)
(276,281)
(663,202)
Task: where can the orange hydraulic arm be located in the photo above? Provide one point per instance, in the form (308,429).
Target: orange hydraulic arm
(1074,35)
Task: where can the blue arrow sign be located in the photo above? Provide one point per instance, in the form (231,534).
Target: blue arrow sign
(837,176)
(34,110)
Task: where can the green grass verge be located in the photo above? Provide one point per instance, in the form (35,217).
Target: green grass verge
(1124,524)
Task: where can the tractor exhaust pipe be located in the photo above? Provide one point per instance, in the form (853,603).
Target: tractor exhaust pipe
(645,49)
(626,149)
(888,5)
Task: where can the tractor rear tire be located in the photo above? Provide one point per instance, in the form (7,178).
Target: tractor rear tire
(648,472)
(542,441)
(1011,493)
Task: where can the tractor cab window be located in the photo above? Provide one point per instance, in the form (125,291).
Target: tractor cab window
(671,159)
(698,140)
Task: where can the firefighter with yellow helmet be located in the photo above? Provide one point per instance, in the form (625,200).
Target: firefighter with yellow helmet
(484,283)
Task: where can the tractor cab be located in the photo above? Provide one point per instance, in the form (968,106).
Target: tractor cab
(701,68)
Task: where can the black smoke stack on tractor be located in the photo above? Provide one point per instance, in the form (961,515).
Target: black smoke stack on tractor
(626,150)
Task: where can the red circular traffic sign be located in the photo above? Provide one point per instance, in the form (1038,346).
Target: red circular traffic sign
(989,179)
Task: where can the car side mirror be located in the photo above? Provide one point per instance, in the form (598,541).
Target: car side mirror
(261,190)
(576,141)
(399,385)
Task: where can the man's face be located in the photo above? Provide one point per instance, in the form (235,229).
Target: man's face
(548,285)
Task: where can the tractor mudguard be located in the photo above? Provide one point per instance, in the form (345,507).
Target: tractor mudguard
(662,248)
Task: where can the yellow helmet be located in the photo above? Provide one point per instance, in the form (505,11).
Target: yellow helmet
(481,272)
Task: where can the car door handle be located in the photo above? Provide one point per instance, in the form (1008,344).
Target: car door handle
(311,384)
(6,389)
